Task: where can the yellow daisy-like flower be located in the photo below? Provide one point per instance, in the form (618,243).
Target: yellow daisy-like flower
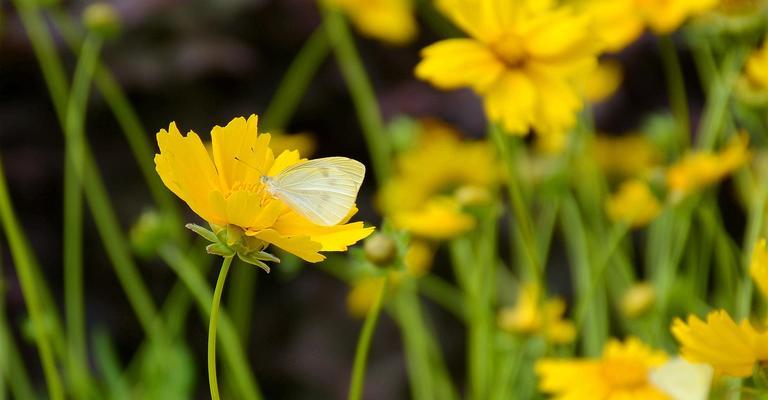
(630,155)
(756,69)
(665,16)
(527,317)
(523,59)
(621,373)
(758,267)
(732,349)
(391,21)
(634,204)
(699,169)
(434,180)
(225,189)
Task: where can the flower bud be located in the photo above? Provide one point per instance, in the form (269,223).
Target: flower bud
(638,300)
(150,231)
(380,249)
(101,19)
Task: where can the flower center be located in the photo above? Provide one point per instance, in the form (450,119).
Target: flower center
(510,50)
(625,373)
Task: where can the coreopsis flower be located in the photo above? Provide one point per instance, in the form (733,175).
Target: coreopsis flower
(732,349)
(529,316)
(630,155)
(391,21)
(699,169)
(638,299)
(435,179)
(634,204)
(621,373)
(602,81)
(522,57)
(758,267)
(226,188)
(666,16)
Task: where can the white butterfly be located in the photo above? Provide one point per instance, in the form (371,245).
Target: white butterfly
(682,380)
(323,190)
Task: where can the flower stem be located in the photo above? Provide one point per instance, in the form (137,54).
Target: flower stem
(296,80)
(214,319)
(73,215)
(752,233)
(676,89)
(361,91)
(22,258)
(364,345)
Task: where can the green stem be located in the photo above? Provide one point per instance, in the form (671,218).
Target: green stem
(232,350)
(17,376)
(364,345)
(294,84)
(752,233)
(676,89)
(718,98)
(22,257)
(214,319)
(361,91)
(73,215)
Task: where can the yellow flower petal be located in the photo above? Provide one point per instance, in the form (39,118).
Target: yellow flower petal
(477,67)
(301,246)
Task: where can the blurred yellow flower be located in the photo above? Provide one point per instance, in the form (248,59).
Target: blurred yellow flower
(303,142)
(634,204)
(665,16)
(391,21)
(730,348)
(758,267)
(418,258)
(699,169)
(638,299)
(616,22)
(621,373)
(603,81)
(756,69)
(630,155)
(522,58)
(529,317)
(225,189)
(363,294)
(434,178)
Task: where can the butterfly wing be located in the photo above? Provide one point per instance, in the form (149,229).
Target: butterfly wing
(323,190)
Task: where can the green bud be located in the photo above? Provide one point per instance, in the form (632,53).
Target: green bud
(101,19)
(380,249)
(150,231)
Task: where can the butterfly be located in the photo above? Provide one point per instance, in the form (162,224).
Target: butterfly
(322,190)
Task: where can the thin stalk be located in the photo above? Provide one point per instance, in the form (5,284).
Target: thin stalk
(361,90)
(233,352)
(17,377)
(73,216)
(444,294)
(298,76)
(364,345)
(22,258)
(676,89)
(240,299)
(214,319)
(420,372)
(752,233)
(718,99)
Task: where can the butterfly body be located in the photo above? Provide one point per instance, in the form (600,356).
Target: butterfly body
(323,190)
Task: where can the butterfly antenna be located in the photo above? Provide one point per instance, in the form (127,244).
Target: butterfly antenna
(249,165)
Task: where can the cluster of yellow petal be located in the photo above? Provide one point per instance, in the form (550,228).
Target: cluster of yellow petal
(758,267)
(630,155)
(621,373)
(522,59)
(634,204)
(699,169)
(529,317)
(732,349)
(225,188)
(756,69)
(602,81)
(391,21)
(620,22)
(435,178)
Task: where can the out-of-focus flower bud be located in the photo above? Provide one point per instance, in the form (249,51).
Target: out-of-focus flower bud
(638,300)
(101,19)
(472,195)
(363,295)
(150,231)
(380,249)
(418,258)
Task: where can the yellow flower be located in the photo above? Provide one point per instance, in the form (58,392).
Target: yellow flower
(633,204)
(225,189)
(302,142)
(631,155)
(434,178)
(665,16)
(699,169)
(418,258)
(363,294)
(730,348)
(527,318)
(756,69)
(616,22)
(621,373)
(522,58)
(638,299)
(758,267)
(391,21)
(603,81)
